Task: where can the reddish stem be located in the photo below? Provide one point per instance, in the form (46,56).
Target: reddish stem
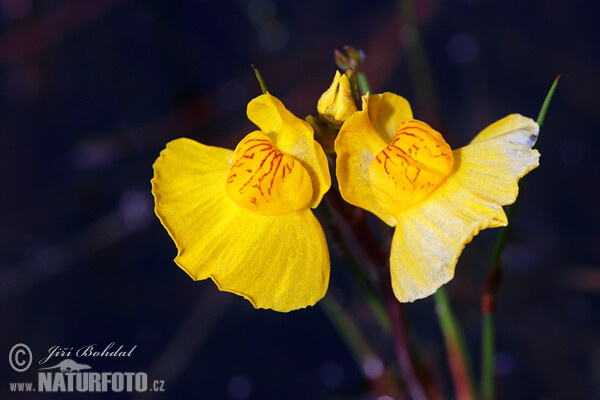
(490,291)
(419,382)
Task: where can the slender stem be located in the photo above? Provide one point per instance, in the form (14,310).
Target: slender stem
(427,103)
(347,329)
(458,356)
(363,84)
(487,357)
(488,305)
(373,299)
(362,351)
(418,381)
(261,82)
(419,67)
(542,115)
(344,324)
(492,284)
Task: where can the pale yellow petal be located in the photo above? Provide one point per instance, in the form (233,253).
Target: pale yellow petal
(360,139)
(511,123)
(292,136)
(277,262)
(430,236)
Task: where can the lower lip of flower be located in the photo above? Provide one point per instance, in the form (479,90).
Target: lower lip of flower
(412,166)
(262,179)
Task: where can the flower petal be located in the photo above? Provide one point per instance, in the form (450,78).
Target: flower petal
(262,179)
(508,124)
(278,262)
(292,136)
(387,111)
(430,236)
(337,103)
(361,138)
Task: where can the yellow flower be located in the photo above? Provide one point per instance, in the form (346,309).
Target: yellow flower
(404,172)
(243,218)
(336,104)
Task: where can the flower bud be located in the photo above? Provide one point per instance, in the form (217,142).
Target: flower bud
(350,58)
(337,103)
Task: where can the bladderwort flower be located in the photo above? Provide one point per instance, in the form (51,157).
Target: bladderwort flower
(337,103)
(405,173)
(243,218)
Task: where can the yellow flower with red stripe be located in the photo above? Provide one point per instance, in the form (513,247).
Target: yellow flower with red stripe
(403,171)
(243,218)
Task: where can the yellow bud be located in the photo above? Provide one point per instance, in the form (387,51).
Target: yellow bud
(337,103)
(262,179)
(416,162)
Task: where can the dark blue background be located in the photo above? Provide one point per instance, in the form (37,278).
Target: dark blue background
(91,91)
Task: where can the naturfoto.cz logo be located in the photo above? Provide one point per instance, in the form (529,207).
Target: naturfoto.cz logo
(68,375)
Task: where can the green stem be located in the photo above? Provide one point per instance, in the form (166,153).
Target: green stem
(427,104)
(492,284)
(542,115)
(487,357)
(373,299)
(419,67)
(347,329)
(363,84)
(360,348)
(261,82)
(458,356)
(419,382)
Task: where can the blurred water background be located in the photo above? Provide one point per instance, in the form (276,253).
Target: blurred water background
(91,91)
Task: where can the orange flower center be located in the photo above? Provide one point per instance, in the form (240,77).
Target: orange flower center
(262,179)
(416,162)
